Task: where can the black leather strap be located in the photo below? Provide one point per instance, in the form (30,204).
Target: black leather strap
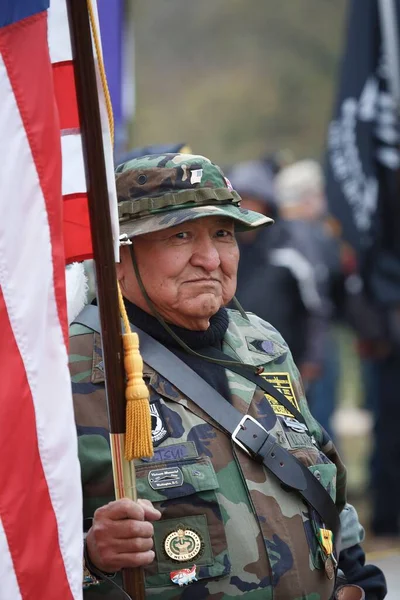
(257,379)
(245,431)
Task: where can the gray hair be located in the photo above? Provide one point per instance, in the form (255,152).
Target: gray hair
(296,181)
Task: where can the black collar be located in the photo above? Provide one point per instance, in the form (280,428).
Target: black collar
(213,336)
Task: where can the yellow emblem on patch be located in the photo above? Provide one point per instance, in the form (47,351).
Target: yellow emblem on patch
(183,545)
(282,382)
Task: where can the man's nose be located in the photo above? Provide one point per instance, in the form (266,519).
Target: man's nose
(206,255)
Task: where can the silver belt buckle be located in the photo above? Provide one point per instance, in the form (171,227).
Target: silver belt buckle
(241,426)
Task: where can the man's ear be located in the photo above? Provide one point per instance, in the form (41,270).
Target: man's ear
(120,270)
(121,266)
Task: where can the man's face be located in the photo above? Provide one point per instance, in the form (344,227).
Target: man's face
(189,271)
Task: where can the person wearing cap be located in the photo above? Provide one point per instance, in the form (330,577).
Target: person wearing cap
(229,512)
(304,231)
(274,265)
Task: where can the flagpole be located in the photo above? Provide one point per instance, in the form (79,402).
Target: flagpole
(103,250)
(389,24)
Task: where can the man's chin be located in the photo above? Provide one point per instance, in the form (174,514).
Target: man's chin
(203,308)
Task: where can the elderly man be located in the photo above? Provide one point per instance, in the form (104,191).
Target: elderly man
(242,496)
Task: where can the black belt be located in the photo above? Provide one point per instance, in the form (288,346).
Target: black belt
(244,430)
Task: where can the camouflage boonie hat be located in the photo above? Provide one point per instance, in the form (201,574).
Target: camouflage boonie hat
(160,191)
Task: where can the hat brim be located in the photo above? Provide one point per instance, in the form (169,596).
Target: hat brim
(245,220)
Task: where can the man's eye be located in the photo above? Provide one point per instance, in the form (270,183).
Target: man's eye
(224,233)
(182,235)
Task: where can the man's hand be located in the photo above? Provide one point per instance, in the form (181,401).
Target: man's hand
(121,535)
(350,592)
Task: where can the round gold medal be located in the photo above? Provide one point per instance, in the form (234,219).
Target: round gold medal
(182,545)
(329,568)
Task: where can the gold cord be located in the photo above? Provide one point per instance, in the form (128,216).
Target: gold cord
(138,442)
(103,77)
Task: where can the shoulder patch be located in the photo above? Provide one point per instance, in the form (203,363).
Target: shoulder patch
(261,346)
(282,383)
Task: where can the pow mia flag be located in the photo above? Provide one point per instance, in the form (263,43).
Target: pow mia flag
(363,159)
(159,430)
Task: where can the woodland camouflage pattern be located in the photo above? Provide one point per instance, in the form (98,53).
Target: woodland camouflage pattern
(259,542)
(182,181)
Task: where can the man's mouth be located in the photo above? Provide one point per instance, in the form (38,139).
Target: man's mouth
(204,280)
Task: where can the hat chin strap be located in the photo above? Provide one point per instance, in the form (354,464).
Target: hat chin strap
(188,349)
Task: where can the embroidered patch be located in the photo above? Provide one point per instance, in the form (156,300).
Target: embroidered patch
(261,346)
(173,452)
(183,545)
(294,424)
(184,576)
(228,184)
(281,382)
(199,525)
(169,477)
(196,176)
(159,430)
(298,440)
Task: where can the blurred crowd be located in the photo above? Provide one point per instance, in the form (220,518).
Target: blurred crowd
(303,278)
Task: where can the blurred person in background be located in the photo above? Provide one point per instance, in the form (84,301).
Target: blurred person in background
(384,367)
(254,182)
(371,309)
(378,340)
(286,276)
(305,229)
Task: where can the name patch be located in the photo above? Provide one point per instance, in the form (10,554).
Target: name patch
(174,452)
(299,440)
(168,477)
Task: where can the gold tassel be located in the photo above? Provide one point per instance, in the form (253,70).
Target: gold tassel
(138,442)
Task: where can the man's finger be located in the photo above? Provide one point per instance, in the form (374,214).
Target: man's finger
(121,509)
(136,559)
(130,545)
(150,513)
(128,528)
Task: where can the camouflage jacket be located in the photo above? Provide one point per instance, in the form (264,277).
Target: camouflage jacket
(245,534)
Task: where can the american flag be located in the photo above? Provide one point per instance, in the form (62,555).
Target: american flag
(40,492)
(77,237)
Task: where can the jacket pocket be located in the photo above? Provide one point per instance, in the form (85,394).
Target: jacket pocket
(191,531)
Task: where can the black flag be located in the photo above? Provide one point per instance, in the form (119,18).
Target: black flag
(363,158)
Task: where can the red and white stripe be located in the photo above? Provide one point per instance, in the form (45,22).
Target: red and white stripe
(76,220)
(40,491)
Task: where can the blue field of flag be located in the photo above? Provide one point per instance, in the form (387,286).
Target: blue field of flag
(12,11)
